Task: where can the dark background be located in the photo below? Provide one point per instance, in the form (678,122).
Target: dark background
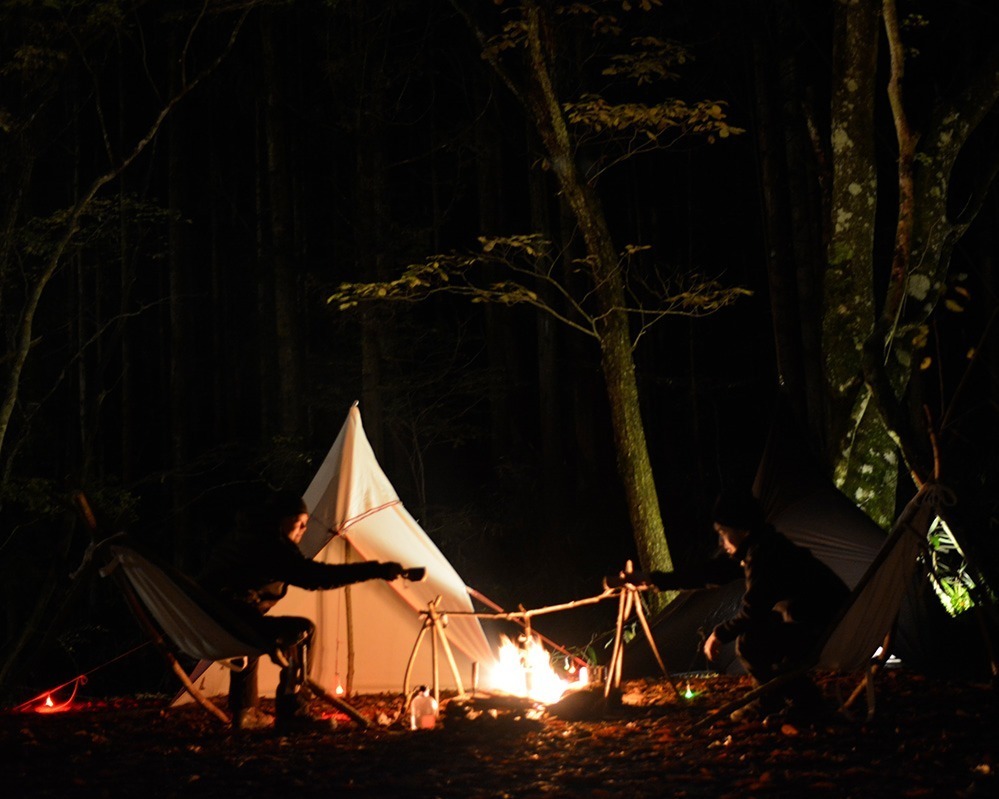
(155,381)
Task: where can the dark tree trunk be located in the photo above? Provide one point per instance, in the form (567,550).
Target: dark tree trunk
(372,214)
(286,304)
(807,181)
(179,320)
(501,335)
(549,373)
(612,330)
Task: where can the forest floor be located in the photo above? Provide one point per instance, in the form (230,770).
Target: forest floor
(928,737)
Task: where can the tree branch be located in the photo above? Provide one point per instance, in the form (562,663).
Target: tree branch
(22,345)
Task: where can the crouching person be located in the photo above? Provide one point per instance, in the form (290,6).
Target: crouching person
(790,600)
(251,572)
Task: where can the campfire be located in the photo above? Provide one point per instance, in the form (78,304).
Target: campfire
(523,683)
(524,668)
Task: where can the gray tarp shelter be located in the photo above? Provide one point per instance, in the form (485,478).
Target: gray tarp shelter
(805,505)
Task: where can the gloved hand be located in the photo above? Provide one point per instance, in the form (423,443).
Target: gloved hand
(414,574)
(391,570)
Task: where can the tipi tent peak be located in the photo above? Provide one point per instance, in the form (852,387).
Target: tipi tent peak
(366,632)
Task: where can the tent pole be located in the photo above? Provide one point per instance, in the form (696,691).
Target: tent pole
(554,645)
(349,611)
(435,634)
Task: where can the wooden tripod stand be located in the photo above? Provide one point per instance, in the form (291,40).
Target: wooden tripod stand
(630,601)
(434,621)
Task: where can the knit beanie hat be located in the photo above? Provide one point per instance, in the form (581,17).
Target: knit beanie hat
(741,511)
(284,504)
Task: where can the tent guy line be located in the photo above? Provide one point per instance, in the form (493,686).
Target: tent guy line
(476,594)
(78,680)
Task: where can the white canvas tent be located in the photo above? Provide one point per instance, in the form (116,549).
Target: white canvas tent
(367,631)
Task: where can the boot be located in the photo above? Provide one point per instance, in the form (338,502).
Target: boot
(807,703)
(251,718)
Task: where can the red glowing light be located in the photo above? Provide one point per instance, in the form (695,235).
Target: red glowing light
(49,706)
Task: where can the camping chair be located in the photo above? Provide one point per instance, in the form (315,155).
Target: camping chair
(851,644)
(177,613)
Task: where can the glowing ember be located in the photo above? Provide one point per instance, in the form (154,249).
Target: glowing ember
(526,670)
(48,706)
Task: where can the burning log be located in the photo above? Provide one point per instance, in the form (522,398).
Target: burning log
(585,704)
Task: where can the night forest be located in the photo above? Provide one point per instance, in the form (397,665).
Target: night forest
(572,260)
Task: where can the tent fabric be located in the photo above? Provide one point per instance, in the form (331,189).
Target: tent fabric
(802,504)
(885,572)
(366,632)
(876,603)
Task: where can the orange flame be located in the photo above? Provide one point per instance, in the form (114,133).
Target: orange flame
(526,670)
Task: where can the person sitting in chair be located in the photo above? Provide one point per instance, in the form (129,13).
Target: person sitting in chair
(790,599)
(251,571)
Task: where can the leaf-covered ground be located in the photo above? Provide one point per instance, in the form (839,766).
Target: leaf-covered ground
(928,738)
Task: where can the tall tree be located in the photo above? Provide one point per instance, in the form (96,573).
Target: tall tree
(54,50)
(527,58)
(61,43)
(933,210)
(858,434)
(280,224)
(907,102)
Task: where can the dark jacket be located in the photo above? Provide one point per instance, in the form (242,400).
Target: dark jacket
(254,570)
(781,577)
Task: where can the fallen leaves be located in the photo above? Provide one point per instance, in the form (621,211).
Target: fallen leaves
(929,738)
